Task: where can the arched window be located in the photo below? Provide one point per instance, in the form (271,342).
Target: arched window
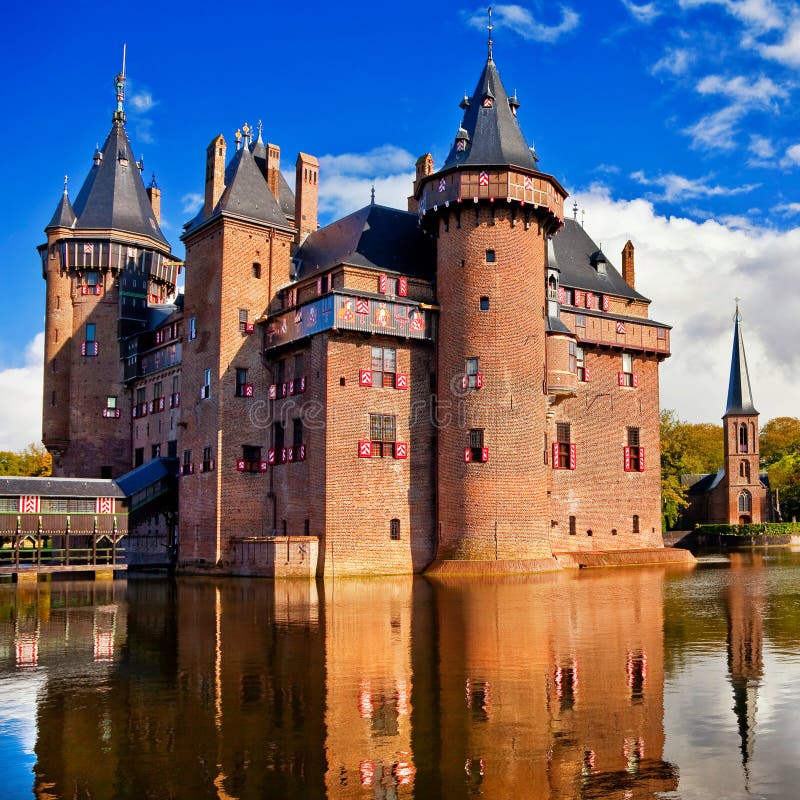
(744,470)
(552,288)
(743,438)
(745,502)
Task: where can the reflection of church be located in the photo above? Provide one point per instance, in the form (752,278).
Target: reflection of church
(738,492)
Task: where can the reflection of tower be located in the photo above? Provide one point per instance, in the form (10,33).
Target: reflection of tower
(745,644)
(745,498)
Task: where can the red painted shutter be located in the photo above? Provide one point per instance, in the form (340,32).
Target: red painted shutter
(635,380)
(250,327)
(465,382)
(382,284)
(301,456)
(401,381)
(620,327)
(365,449)
(271,455)
(319,285)
(484,454)
(589,300)
(578,297)
(302,384)
(249,391)
(262,466)
(365,377)
(627,458)
(587,375)
(561,295)
(240,465)
(641,459)
(606,302)
(621,378)
(467,455)
(400,450)
(291,386)
(291,455)
(556,461)
(273,391)
(402,287)
(479,381)
(573,456)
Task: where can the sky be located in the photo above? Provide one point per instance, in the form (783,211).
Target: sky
(672,123)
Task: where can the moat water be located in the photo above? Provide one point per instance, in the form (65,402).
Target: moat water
(617,683)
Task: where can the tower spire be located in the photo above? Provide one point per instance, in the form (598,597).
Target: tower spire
(740,397)
(119,85)
(490,28)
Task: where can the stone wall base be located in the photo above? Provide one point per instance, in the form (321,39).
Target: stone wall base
(625,558)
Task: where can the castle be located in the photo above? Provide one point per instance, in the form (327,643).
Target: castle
(466,385)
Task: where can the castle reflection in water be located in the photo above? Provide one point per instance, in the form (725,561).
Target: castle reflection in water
(544,687)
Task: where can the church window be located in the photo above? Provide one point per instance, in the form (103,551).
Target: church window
(743,438)
(745,502)
(384,366)
(382,429)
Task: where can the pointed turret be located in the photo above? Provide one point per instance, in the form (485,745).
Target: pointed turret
(64,216)
(740,398)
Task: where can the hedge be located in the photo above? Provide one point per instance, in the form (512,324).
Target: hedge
(751,529)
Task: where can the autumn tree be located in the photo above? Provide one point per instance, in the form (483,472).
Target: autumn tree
(779,437)
(673,448)
(34,461)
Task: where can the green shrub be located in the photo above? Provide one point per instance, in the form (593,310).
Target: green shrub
(751,529)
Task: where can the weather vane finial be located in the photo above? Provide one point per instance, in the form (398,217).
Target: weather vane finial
(372,196)
(66,183)
(119,85)
(737,316)
(490,28)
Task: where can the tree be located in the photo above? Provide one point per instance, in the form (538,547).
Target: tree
(673,448)
(704,447)
(34,461)
(784,480)
(779,437)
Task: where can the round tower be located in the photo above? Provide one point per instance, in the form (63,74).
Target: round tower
(492,212)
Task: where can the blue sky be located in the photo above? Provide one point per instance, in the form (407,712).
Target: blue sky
(670,122)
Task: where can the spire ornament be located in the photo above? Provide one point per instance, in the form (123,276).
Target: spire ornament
(490,28)
(119,86)
(66,184)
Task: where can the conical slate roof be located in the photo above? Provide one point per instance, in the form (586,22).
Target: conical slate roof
(247,193)
(64,216)
(113,195)
(740,398)
(494,135)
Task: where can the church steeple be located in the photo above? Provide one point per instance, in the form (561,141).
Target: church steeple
(740,398)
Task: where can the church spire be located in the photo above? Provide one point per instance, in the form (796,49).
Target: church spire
(740,398)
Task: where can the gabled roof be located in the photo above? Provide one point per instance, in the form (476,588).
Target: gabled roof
(571,251)
(60,487)
(740,398)
(375,237)
(113,195)
(494,137)
(64,216)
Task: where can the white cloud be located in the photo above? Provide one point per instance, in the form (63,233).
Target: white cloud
(677,187)
(791,157)
(346,180)
(191,202)
(787,51)
(675,61)
(761,15)
(744,91)
(644,13)
(21,399)
(142,101)
(692,271)
(761,147)
(523,22)
(716,131)
(787,209)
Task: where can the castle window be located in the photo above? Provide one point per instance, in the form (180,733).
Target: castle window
(52,398)
(243,320)
(573,357)
(297,432)
(552,288)
(251,455)
(205,389)
(484,306)
(491,258)
(92,278)
(745,502)
(472,370)
(635,452)
(384,366)
(158,390)
(382,431)
(580,320)
(394,530)
(278,436)
(111,403)
(298,365)
(476,443)
(187,462)
(241,382)
(155,451)
(743,438)
(626,377)
(256,269)
(580,362)
(172,448)
(561,447)
(744,470)
(91,333)
(138,457)
(635,523)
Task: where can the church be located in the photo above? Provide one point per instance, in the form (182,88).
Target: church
(466,386)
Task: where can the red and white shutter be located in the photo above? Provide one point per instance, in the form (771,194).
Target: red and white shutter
(573,456)
(479,381)
(250,327)
(620,327)
(465,382)
(587,375)
(383,284)
(589,300)
(365,449)
(627,458)
(29,504)
(402,287)
(401,381)
(621,378)
(271,456)
(401,450)
(606,302)
(365,377)
(284,454)
(273,391)
(556,460)
(302,386)
(241,465)
(104,505)
(484,454)
(291,454)
(262,466)
(641,459)
(578,297)
(635,380)
(467,455)
(362,306)
(301,453)
(319,285)
(291,386)
(561,295)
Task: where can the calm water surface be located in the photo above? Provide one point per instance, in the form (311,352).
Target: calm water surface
(626,683)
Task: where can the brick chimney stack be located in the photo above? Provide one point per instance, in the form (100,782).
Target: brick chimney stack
(215,174)
(628,272)
(154,193)
(273,168)
(306,192)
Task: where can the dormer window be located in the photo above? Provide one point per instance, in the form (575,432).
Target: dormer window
(488,101)
(599,262)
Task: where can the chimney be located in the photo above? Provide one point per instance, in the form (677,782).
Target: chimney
(273,168)
(154,193)
(306,190)
(215,174)
(424,168)
(628,273)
